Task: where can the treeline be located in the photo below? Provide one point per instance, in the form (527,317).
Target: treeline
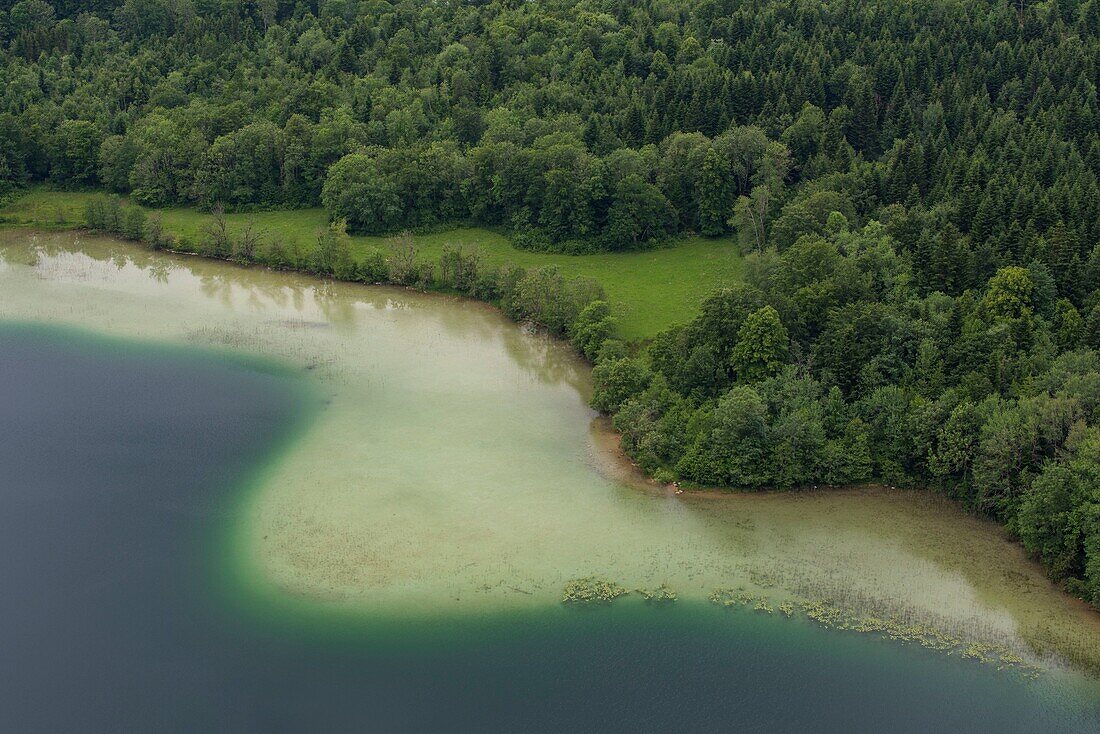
(551,191)
(835,364)
(579,124)
(572,308)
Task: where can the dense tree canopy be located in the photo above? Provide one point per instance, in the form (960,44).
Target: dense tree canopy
(583,124)
(834,364)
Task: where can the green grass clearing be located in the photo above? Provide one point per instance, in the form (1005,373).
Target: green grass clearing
(649,290)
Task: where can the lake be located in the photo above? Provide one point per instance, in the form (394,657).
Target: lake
(236,500)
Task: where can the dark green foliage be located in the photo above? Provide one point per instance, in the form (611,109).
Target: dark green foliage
(74,152)
(356,191)
(730,446)
(834,366)
(617,380)
(1059,517)
(715,194)
(979,115)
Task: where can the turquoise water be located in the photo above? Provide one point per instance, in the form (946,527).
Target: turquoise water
(121,465)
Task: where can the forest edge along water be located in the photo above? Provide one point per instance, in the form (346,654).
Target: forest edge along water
(369,515)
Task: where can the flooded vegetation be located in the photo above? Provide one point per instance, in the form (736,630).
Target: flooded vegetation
(448,471)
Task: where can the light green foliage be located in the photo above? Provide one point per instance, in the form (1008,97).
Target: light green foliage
(332,256)
(1009,295)
(1011,443)
(458,267)
(750,217)
(372,267)
(154,232)
(761,349)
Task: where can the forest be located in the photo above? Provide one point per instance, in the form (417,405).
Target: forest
(916,189)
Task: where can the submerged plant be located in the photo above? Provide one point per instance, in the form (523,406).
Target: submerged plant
(660,595)
(762,605)
(592,589)
(889,626)
(735,598)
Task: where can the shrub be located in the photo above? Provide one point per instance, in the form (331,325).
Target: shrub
(372,268)
(132,223)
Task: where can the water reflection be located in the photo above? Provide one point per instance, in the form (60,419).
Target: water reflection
(66,257)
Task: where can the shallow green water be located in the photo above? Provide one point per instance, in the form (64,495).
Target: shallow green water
(376,536)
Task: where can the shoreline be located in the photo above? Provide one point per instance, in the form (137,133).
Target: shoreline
(727,543)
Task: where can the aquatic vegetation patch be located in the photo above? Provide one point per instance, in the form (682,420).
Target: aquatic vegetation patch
(740,598)
(592,590)
(890,627)
(660,595)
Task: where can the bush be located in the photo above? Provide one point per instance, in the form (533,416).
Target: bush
(458,268)
(103,214)
(403,265)
(372,268)
(93,213)
(531,239)
(154,233)
(132,224)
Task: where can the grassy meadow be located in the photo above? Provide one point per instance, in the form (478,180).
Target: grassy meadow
(650,290)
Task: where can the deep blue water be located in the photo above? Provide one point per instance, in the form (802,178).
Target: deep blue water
(119,470)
